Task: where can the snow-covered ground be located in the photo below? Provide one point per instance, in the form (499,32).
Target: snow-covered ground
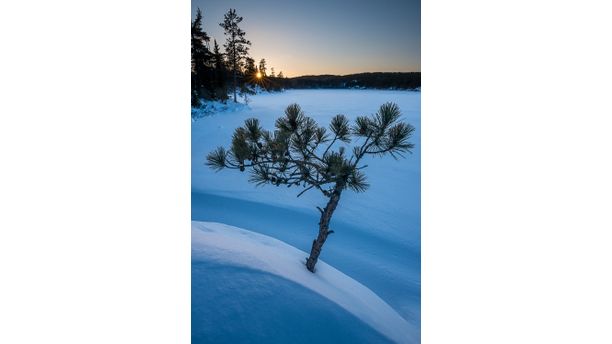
(377,233)
(236,263)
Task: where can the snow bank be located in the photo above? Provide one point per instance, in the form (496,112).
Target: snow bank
(212,107)
(227,245)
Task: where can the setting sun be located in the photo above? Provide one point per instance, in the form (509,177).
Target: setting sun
(258,75)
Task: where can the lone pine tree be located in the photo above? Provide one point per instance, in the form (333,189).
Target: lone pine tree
(302,153)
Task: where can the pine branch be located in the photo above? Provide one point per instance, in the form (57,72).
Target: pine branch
(308,188)
(289,155)
(330,145)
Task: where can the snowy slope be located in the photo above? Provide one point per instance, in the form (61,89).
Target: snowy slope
(218,248)
(377,233)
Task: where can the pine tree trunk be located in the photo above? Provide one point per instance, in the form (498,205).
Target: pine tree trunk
(235,66)
(324,231)
(235,83)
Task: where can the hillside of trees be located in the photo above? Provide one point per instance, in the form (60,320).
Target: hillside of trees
(362,80)
(219,75)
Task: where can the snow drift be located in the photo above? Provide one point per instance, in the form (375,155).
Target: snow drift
(238,274)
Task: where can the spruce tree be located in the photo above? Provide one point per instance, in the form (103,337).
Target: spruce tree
(200,58)
(300,153)
(220,70)
(236,45)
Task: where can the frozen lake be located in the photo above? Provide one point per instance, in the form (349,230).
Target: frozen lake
(377,233)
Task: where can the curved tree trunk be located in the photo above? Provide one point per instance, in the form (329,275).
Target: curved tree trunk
(324,231)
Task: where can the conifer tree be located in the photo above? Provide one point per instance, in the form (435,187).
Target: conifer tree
(280,75)
(236,45)
(220,71)
(300,153)
(249,68)
(200,58)
(272,72)
(262,67)
(217,56)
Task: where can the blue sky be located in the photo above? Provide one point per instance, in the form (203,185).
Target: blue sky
(325,37)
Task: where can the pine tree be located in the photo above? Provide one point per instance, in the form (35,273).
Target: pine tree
(262,67)
(220,70)
(200,58)
(217,57)
(249,68)
(301,153)
(236,46)
(280,75)
(272,72)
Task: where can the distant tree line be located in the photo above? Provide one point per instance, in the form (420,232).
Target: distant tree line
(380,80)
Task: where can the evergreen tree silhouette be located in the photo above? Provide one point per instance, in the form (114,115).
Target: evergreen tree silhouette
(236,45)
(200,60)
(262,67)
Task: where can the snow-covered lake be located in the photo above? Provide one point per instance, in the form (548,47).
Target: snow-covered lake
(377,233)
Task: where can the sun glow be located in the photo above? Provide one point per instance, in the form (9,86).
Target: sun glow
(258,75)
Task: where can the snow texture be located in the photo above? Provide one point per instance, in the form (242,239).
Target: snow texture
(225,247)
(376,238)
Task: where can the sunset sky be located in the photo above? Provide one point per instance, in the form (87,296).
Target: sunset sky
(325,37)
